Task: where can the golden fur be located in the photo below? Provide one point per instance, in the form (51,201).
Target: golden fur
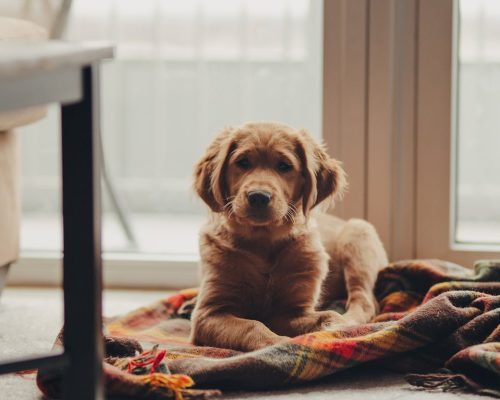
(267,269)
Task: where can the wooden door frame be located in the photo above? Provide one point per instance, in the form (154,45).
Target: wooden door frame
(388,114)
(370,54)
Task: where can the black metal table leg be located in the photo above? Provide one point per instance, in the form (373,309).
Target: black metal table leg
(82,243)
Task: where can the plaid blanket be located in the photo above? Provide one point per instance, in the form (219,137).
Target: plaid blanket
(437,320)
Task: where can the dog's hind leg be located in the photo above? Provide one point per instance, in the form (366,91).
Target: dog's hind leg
(361,254)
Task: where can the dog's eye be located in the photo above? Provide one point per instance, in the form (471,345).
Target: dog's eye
(243,163)
(284,167)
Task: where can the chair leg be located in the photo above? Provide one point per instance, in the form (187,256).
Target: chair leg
(83,339)
(4,270)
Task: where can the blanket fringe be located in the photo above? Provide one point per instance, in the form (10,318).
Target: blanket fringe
(445,381)
(450,382)
(174,383)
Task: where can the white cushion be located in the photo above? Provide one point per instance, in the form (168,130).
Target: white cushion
(9,198)
(13,30)
(18,29)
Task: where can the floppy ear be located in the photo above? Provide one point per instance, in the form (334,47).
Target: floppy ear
(323,176)
(209,171)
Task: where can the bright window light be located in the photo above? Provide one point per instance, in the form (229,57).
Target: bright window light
(183,71)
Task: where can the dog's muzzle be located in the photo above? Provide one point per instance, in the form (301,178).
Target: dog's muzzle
(258,199)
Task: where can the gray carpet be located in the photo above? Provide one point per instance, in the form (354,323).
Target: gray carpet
(31,318)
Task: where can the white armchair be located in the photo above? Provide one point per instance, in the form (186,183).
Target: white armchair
(13,30)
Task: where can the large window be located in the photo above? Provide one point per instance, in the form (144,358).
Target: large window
(405,94)
(477,122)
(183,71)
(457,131)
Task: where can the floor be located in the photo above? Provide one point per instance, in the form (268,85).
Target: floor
(30,319)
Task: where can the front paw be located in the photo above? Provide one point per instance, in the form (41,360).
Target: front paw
(361,313)
(266,342)
(331,320)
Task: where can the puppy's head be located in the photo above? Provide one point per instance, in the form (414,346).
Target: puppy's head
(263,174)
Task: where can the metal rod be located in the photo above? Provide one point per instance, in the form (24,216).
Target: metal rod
(51,361)
(115,202)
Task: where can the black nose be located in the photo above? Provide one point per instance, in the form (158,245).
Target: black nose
(258,198)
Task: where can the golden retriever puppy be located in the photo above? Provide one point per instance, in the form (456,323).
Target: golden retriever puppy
(268,263)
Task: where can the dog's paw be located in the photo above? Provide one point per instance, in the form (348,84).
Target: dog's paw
(361,313)
(331,320)
(268,341)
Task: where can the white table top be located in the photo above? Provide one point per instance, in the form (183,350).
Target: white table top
(19,59)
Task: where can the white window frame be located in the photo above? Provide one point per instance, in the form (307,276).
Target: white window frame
(120,270)
(436,139)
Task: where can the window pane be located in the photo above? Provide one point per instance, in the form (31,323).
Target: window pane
(184,70)
(478,122)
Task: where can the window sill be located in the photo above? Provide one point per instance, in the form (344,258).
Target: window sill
(123,270)
(475,247)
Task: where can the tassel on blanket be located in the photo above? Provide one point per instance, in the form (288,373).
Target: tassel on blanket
(159,376)
(149,371)
(444,381)
(147,362)
(152,357)
(174,383)
(448,382)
